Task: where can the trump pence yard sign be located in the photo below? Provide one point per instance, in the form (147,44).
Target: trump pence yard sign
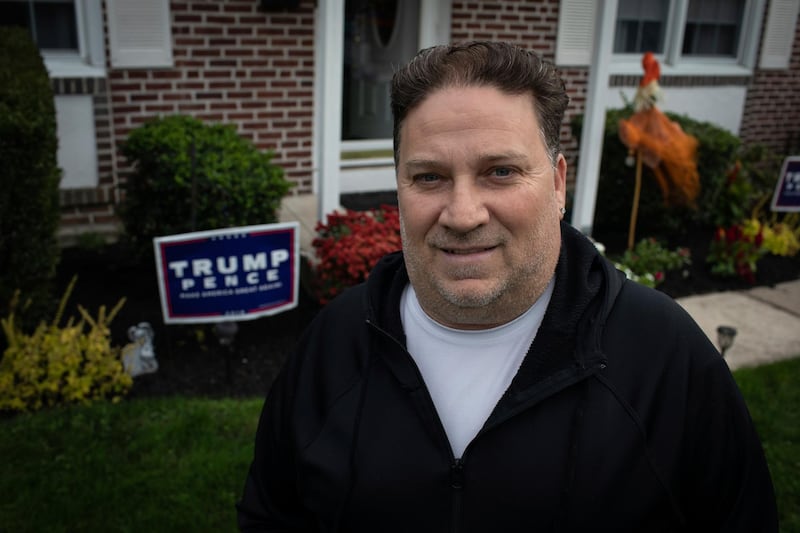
(787,191)
(228,274)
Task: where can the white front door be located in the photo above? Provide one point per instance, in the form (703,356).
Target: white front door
(359,43)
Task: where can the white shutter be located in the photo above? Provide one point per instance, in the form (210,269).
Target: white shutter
(576,21)
(776,46)
(139,33)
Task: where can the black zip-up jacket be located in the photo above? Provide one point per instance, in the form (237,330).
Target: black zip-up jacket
(622,417)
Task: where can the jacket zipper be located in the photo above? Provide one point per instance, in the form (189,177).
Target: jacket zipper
(457,484)
(456,464)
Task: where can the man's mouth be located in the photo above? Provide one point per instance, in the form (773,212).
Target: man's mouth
(467,251)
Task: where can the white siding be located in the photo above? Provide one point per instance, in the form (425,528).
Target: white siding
(77,148)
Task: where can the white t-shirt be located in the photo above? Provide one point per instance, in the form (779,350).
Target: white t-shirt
(467,371)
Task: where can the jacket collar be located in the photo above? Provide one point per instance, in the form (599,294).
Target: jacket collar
(567,344)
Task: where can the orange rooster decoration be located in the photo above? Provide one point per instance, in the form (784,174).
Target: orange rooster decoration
(660,144)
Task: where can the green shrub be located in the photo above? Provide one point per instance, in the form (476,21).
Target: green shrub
(716,153)
(652,260)
(192,176)
(29,176)
(649,261)
(61,365)
(748,185)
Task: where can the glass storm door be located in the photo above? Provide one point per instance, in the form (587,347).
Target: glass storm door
(378,36)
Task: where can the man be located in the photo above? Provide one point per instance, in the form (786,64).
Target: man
(499,374)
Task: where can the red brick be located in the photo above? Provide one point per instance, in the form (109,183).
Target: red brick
(238,30)
(222,63)
(230,84)
(220,19)
(238,52)
(157,86)
(126,87)
(206,52)
(159,108)
(189,41)
(182,19)
(143,97)
(206,30)
(205,7)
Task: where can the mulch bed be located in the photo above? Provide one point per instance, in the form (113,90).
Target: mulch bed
(192,361)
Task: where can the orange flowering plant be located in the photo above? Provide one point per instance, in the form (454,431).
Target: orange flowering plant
(349,244)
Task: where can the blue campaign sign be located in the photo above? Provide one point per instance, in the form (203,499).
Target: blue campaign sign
(787,191)
(228,274)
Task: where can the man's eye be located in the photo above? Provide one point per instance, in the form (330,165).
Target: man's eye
(502,172)
(426,178)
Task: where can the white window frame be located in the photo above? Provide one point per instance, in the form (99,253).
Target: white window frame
(673,62)
(89,61)
(669,23)
(576,36)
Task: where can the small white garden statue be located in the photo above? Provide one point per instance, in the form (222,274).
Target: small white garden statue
(139,357)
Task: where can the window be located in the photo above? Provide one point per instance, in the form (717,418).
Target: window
(52,24)
(641,26)
(68,32)
(713,28)
(687,34)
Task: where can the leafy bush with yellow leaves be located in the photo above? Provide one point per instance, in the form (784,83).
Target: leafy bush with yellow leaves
(61,365)
(780,237)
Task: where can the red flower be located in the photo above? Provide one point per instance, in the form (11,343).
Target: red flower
(733,173)
(350,244)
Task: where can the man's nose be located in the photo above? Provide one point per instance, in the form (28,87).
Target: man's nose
(466,209)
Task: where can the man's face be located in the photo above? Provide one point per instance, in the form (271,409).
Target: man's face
(479,205)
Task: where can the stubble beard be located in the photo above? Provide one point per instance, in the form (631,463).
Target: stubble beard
(501,302)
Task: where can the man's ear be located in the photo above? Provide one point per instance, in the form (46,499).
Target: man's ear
(560,180)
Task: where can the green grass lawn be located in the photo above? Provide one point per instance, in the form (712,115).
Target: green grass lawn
(179,464)
(143,465)
(772,393)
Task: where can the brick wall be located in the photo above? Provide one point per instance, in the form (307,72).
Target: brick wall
(236,65)
(531,25)
(772,109)
(233,64)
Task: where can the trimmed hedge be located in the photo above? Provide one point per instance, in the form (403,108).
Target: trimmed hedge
(29,176)
(191,176)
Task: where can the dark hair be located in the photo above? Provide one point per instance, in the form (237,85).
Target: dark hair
(509,68)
